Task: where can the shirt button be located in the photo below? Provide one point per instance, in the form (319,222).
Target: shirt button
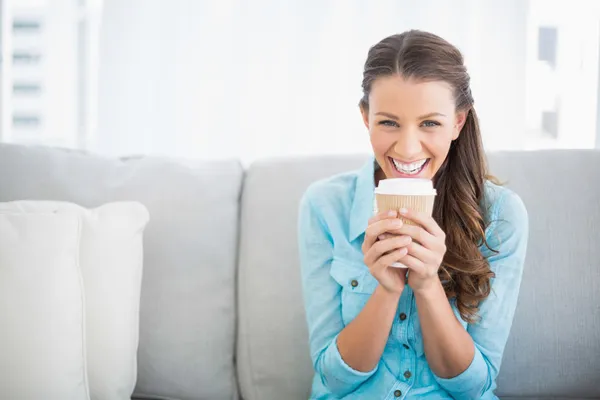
(402,317)
(354,283)
(397,393)
(406,346)
(407,374)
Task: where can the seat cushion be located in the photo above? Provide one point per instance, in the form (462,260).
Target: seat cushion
(188,311)
(554,346)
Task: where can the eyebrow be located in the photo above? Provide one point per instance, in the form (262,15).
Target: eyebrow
(392,116)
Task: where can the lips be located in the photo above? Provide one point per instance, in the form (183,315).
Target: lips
(410,169)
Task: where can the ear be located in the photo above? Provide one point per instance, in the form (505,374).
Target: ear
(365,116)
(459,121)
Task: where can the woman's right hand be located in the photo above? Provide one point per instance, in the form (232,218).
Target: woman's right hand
(382,248)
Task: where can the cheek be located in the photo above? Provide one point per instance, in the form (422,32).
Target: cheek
(380,141)
(438,145)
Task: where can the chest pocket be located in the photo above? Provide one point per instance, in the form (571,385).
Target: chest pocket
(357,286)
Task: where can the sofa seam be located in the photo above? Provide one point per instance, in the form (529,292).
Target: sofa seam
(83,306)
(242,321)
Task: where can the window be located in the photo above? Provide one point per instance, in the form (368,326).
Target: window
(47,73)
(562,74)
(194,78)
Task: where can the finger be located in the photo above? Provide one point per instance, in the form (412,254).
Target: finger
(384,236)
(424,220)
(388,245)
(421,253)
(387,260)
(418,234)
(385,246)
(377,228)
(383,215)
(413,264)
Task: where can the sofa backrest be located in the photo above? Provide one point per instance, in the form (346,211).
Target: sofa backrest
(555,341)
(272,350)
(187,324)
(188,312)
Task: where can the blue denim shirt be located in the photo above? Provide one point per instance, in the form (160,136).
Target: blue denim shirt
(334,214)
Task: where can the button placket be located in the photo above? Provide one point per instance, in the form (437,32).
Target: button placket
(401,331)
(402,314)
(408,358)
(402,317)
(398,391)
(408,373)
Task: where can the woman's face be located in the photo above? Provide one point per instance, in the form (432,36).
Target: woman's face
(412,125)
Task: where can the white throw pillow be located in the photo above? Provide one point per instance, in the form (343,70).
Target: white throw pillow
(42,321)
(111,261)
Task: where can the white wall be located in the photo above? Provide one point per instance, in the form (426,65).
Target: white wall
(268,78)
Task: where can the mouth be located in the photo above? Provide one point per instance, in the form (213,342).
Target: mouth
(409,170)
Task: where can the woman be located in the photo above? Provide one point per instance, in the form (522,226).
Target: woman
(439,331)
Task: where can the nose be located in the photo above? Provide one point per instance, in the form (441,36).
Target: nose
(408,145)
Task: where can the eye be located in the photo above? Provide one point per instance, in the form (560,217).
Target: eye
(430,124)
(388,122)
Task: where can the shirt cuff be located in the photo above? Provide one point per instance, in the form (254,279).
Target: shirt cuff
(473,379)
(341,371)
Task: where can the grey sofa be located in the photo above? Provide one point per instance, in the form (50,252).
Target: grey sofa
(222,314)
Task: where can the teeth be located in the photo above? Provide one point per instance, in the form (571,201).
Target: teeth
(409,168)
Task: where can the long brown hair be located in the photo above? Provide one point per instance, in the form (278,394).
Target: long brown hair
(460,180)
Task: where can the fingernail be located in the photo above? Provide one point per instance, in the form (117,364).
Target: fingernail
(380,237)
(403,211)
(397,223)
(392,213)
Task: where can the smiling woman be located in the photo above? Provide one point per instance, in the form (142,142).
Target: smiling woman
(422,124)
(419,111)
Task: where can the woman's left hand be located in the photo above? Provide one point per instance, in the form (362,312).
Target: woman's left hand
(425,252)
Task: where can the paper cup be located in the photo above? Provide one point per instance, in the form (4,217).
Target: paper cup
(412,194)
(388,202)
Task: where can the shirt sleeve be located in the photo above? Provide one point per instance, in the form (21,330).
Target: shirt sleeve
(323,305)
(507,234)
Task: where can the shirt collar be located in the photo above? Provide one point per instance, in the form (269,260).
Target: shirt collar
(364,196)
